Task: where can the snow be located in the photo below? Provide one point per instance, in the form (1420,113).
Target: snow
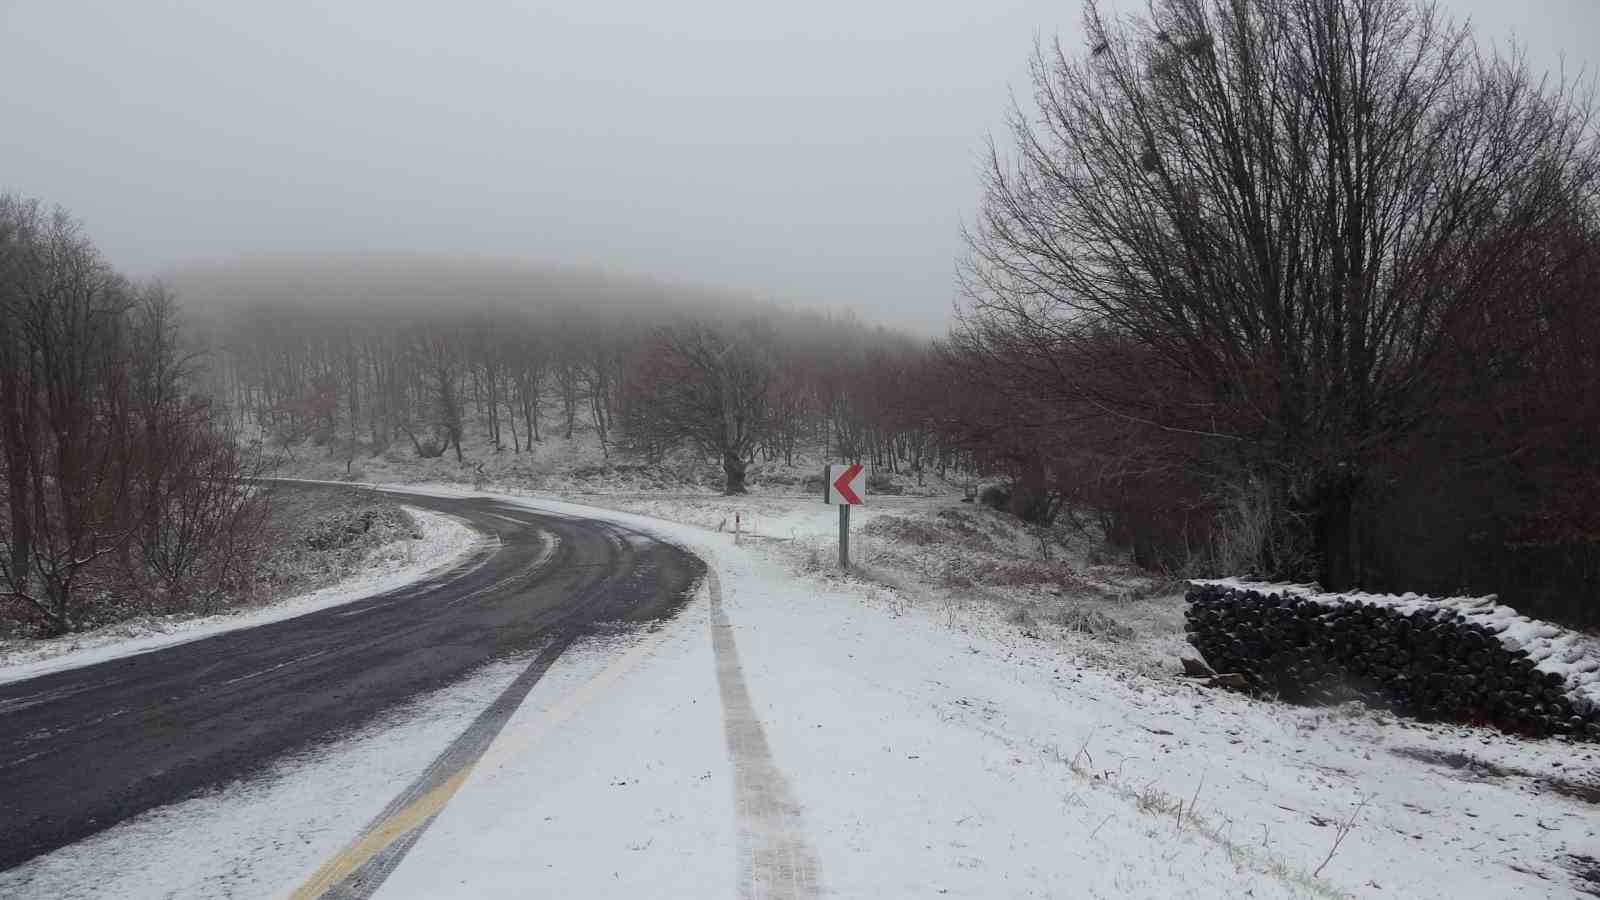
(932,747)
(937,751)
(1572,655)
(252,838)
(625,791)
(445,543)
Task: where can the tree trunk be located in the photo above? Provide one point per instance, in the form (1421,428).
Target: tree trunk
(422,453)
(21,514)
(733,467)
(597,408)
(15,432)
(1338,566)
(511,422)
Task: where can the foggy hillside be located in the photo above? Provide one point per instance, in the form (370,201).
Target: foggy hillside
(411,284)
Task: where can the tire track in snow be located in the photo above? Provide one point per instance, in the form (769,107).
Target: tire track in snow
(774,859)
(362,867)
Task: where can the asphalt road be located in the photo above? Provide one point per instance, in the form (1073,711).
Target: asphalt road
(84,749)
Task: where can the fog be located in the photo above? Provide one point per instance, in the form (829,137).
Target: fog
(822,154)
(388,289)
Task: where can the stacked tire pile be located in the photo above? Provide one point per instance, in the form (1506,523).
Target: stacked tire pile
(1420,661)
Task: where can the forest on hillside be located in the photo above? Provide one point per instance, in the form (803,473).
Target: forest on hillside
(1303,290)
(358,355)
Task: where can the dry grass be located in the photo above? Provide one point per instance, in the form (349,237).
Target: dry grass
(1022,617)
(1151,800)
(906,531)
(321,536)
(949,528)
(1084,620)
(976,561)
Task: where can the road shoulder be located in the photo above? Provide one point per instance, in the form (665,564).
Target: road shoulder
(447,542)
(612,779)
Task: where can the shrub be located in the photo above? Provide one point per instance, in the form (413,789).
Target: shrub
(1090,621)
(1022,617)
(882,483)
(906,531)
(994,496)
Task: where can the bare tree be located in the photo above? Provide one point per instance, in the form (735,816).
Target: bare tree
(200,542)
(439,369)
(17,222)
(599,375)
(706,387)
(1265,223)
(64,308)
(530,365)
(197,511)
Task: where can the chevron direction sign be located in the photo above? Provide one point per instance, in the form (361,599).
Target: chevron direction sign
(845,485)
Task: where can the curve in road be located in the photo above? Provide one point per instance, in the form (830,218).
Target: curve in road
(84,749)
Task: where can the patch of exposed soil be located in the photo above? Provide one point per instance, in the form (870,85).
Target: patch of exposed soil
(1461,762)
(1584,790)
(1585,871)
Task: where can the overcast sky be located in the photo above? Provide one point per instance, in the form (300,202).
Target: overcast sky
(822,152)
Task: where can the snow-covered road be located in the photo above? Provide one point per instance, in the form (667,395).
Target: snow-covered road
(887,731)
(875,743)
(932,753)
(88,750)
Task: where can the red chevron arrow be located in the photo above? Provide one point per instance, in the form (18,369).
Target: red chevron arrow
(842,484)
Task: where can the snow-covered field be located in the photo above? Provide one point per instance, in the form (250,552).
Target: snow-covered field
(935,748)
(935,725)
(445,542)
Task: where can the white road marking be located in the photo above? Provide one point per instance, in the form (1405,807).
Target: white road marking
(361,612)
(20,703)
(287,662)
(20,761)
(551,542)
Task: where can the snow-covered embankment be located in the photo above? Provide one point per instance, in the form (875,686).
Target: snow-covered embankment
(445,541)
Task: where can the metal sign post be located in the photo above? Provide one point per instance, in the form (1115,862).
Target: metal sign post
(844,487)
(844,535)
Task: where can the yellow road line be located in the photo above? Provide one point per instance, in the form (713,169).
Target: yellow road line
(380,836)
(378,839)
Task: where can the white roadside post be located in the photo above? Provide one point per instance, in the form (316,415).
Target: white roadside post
(844,487)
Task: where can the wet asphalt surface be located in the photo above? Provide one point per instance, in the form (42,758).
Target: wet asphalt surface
(84,749)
